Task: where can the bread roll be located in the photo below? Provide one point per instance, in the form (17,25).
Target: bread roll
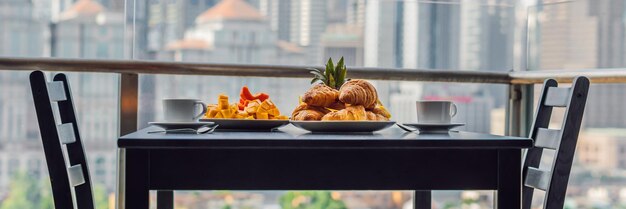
(358,92)
(320,95)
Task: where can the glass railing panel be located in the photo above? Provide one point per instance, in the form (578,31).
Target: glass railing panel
(587,34)
(94,30)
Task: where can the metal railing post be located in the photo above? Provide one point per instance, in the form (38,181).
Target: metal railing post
(127,120)
(520,109)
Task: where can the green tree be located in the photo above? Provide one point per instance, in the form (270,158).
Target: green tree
(310,200)
(101,197)
(25,191)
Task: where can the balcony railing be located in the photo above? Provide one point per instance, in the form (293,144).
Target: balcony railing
(519,111)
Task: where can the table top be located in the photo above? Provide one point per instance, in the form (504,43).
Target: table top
(290,137)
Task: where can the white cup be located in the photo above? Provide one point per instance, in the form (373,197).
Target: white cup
(435,112)
(182,110)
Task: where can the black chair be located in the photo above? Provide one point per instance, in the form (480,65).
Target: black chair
(562,141)
(65,174)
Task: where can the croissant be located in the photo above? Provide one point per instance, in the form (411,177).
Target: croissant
(350,113)
(376,117)
(358,92)
(338,105)
(320,95)
(306,112)
(381,111)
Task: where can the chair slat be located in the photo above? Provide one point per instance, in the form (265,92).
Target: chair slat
(557,97)
(56,91)
(538,179)
(66,133)
(548,138)
(75,174)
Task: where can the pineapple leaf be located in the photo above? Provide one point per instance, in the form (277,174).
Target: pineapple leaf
(316,79)
(317,74)
(329,74)
(340,73)
(332,82)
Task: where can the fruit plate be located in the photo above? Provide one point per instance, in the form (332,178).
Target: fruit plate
(252,125)
(343,126)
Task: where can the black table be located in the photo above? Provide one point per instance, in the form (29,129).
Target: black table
(295,160)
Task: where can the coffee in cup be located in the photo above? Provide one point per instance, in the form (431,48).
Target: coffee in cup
(183,110)
(435,112)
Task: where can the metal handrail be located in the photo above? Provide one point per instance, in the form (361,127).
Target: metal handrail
(291,71)
(604,75)
(610,75)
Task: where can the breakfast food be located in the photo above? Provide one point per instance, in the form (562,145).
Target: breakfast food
(350,113)
(257,106)
(358,92)
(332,98)
(307,112)
(320,95)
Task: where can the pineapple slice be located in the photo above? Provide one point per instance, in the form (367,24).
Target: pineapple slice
(211,113)
(262,116)
(241,114)
(281,117)
(267,105)
(274,112)
(250,117)
(252,106)
(219,115)
(222,102)
(226,113)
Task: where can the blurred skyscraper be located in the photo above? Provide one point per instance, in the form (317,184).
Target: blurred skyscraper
(585,34)
(168,20)
(278,14)
(308,22)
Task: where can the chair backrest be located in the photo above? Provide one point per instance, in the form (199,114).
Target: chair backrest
(562,141)
(69,174)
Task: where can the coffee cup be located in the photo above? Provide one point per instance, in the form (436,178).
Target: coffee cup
(183,110)
(435,112)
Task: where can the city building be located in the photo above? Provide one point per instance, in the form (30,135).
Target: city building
(602,149)
(88,30)
(594,29)
(308,22)
(342,40)
(82,29)
(381,35)
(278,13)
(22,32)
(24,35)
(168,20)
(355,12)
(230,32)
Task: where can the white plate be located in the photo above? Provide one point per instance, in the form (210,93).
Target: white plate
(342,126)
(239,124)
(179,125)
(432,127)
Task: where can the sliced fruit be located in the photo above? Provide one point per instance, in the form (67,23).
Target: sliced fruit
(262,116)
(211,113)
(226,113)
(281,117)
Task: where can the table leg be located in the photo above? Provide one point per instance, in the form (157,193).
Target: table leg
(422,199)
(137,194)
(165,199)
(509,195)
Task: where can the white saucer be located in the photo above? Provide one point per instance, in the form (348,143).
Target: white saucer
(433,127)
(179,125)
